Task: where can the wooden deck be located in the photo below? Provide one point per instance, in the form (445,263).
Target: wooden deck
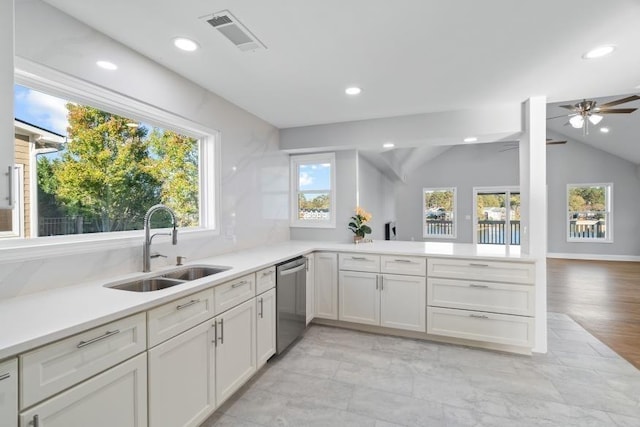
(603,296)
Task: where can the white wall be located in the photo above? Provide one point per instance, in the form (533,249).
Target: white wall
(576,163)
(375,192)
(254,197)
(463,167)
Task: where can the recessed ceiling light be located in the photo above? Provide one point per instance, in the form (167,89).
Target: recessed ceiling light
(353,90)
(388,145)
(132,125)
(185,44)
(107,65)
(604,130)
(599,52)
(470,139)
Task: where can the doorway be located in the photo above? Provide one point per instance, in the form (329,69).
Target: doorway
(496,216)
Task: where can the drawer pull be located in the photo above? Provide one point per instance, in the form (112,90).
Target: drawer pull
(35,422)
(473,264)
(408,261)
(473,285)
(261,308)
(267,273)
(5,376)
(235,285)
(96,339)
(478,316)
(358,258)
(187,304)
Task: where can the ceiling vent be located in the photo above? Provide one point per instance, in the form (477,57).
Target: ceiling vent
(233,30)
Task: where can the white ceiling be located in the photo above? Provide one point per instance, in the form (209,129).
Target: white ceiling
(410,56)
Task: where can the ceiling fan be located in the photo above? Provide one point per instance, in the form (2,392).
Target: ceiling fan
(586,111)
(512,145)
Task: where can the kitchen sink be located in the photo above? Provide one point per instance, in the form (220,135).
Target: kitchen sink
(195,272)
(148,285)
(169,279)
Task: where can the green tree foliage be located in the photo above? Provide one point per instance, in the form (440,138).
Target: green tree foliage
(439,199)
(320,201)
(587,199)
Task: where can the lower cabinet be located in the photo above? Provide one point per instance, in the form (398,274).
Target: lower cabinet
(311,288)
(182,378)
(266,326)
(392,301)
(326,285)
(116,397)
(9,393)
(236,348)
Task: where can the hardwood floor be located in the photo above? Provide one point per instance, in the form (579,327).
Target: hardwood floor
(603,297)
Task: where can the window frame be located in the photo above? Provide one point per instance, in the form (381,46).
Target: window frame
(295,161)
(608,214)
(17,213)
(41,78)
(454,234)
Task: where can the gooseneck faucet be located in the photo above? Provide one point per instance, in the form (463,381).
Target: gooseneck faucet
(148,237)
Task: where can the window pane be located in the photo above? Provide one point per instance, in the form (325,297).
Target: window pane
(439,211)
(314,206)
(314,176)
(102,171)
(6,220)
(588,212)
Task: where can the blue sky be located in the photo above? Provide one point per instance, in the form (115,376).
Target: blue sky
(40,109)
(315,176)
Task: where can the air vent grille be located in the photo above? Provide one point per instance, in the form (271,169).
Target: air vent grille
(229,26)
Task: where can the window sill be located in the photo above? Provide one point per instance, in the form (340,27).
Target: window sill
(589,241)
(312,225)
(16,250)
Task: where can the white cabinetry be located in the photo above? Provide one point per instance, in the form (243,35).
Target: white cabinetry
(266,326)
(311,289)
(232,293)
(236,348)
(116,397)
(326,285)
(390,300)
(182,378)
(9,393)
(265,280)
(6,102)
(485,301)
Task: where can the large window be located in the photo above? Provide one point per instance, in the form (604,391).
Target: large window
(95,162)
(497,216)
(313,190)
(439,212)
(589,211)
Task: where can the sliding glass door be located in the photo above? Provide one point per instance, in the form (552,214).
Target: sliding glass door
(497,216)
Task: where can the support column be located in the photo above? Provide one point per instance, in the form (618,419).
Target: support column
(533,193)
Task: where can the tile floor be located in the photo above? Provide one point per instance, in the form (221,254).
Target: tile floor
(336,377)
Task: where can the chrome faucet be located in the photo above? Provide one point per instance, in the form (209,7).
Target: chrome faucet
(148,237)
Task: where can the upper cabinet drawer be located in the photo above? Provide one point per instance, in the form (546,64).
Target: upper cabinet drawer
(232,293)
(415,266)
(479,269)
(55,367)
(265,279)
(359,262)
(177,316)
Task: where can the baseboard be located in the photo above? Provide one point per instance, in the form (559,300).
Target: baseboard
(595,257)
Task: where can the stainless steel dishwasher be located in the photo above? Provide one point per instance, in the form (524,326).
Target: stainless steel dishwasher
(291,301)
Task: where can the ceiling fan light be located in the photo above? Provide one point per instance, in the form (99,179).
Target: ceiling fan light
(595,118)
(577,121)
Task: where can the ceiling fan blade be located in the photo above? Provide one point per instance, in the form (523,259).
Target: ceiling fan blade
(617,111)
(557,117)
(569,107)
(620,101)
(549,142)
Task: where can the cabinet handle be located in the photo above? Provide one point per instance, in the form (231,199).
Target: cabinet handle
(267,273)
(473,264)
(96,339)
(377,280)
(473,285)
(408,261)
(235,285)
(479,316)
(261,308)
(5,376)
(10,180)
(358,258)
(187,304)
(35,422)
(215,332)
(382,283)
(306,264)
(221,331)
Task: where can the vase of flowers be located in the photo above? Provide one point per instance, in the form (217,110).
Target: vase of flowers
(358,224)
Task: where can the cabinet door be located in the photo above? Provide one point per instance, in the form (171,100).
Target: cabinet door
(117,397)
(9,393)
(359,297)
(311,289)
(6,103)
(236,349)
(403,302)
(182,378)
(326,284)
(266,326)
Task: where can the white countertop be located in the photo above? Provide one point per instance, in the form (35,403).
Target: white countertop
(29,321)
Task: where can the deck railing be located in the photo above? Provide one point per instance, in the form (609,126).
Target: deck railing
(494,232)
(587,229)
(438,227)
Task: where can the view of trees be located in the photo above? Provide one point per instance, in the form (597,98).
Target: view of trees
(497,200)
(439,199)
(587,199)
(320,201)
(112,170)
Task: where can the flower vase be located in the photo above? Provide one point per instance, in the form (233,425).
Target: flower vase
(357,239)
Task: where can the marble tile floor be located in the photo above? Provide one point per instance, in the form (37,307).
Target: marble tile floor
(336,377)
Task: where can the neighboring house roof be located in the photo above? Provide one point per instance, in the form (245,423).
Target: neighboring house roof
(43,138)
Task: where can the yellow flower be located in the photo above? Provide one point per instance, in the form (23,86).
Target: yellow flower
(364,215)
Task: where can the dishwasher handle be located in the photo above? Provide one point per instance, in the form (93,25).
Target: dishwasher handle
(291,270)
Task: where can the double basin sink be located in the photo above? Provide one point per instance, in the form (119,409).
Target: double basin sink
(169,279)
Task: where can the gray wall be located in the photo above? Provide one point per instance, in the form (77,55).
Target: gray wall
(463,167)
(576,163)
(375,192)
